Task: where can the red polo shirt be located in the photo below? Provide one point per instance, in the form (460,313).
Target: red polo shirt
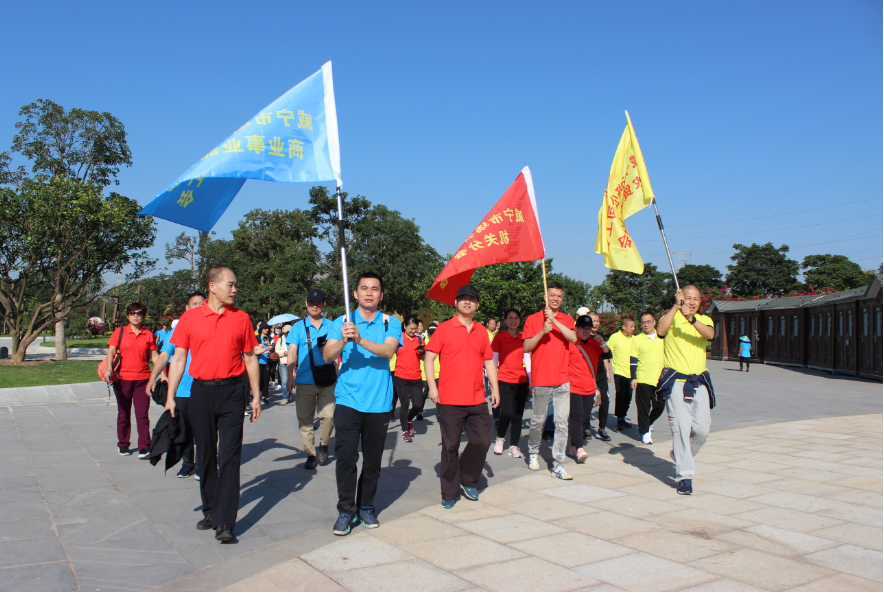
(408,360)
(582,381)
(135,352)
(510,367)
(462,355)
(216,342)
(549,359)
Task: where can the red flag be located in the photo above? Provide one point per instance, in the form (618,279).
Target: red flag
(510,232)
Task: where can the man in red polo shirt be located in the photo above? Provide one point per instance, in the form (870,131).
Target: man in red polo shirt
(462,346)
(548,334)
(221,341)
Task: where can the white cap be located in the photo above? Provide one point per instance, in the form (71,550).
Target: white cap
(582,311)
(174,323)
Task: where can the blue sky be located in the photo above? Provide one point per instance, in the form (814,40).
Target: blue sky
(759,121)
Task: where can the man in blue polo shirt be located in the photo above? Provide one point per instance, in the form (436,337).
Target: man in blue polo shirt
(188,460)
(366,341)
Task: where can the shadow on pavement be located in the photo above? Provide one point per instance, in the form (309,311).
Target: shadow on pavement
(656,467)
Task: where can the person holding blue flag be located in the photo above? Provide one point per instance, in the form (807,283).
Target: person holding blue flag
(365,340)
(188,460)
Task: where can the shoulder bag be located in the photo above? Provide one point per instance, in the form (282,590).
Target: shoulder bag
(323,374)
(115,365)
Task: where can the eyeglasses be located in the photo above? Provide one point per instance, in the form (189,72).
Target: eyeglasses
(137,314)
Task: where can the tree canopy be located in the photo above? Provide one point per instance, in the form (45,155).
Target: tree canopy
(630,293)
(833,271)
(704,277)
(762,270)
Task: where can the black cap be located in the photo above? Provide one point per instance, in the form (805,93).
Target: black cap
(432,327)
(316,295)
(467,290)
(584,321)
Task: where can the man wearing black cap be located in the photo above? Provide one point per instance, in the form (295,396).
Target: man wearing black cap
(312,378)
(464,349)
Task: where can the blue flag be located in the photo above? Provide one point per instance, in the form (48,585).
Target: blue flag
(293,139)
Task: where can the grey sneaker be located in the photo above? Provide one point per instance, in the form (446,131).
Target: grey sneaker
(470,492)
(560,473)
(343,524)
(367,518)
(533,462)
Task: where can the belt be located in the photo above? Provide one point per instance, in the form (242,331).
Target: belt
(218,382)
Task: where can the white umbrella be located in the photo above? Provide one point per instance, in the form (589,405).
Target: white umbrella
(284,318)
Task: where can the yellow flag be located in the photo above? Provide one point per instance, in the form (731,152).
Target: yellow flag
(629,190)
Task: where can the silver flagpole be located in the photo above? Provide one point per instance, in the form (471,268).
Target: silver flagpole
(344,254)
(665,243)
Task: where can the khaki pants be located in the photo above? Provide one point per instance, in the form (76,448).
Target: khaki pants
(311,401)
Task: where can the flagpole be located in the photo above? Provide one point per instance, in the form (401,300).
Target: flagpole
(545,289)
(344,254)
(665,243)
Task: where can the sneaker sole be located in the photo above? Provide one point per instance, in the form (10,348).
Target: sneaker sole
(582,458)
(338,532)
(369,526)
(125,454)
(467,496)
(685,493)
(224,539)
(554,475)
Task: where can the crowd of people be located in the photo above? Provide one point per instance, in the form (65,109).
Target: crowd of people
(351,371)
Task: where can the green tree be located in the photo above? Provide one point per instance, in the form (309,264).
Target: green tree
(762,270)
(704,277)
(631,294)
(833,271)
(577,293)
(505,286)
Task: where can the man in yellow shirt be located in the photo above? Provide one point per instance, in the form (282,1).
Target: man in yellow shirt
(646,364)
(684,372)
(621,349)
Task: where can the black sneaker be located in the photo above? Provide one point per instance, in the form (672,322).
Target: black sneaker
(343,524)
(143,454)
(547,435)
(419,417)
(124,451)
(186,472)
(602,434)
(205,523)
(223,534)
(622,424)
(322,454)
(367,518)
(311,462)
(685,487)
(587,434)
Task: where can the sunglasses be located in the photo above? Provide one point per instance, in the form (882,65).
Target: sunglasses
(136,314)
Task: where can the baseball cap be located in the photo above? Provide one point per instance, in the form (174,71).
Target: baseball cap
(316,295)
(467,290)
(582,311)
(432,327)
(286,328)
(584,321)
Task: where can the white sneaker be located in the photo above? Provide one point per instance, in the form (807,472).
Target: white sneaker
(498,446)
(646,439)
(533,463)
(515,451)
(560,473)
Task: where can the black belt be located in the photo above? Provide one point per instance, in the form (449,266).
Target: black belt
(218,382)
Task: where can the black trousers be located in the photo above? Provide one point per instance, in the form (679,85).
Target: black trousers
(742,360)
(463,468)
(512,410)
(581,408)
(602,385)
(216,414)
(408,390)
(649,408)
(264,380)
(352,428)
(624,395)
(182,406)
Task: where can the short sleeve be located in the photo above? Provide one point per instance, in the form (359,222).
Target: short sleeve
(112,340)
(168,346)
(705,320)
(249,341)
(153,343)
(181,334)
(292,337)
(495,344)
(530,330)
(334,332)
(394,330)
(634,350)
(568,322)
(488,354)
(438,341)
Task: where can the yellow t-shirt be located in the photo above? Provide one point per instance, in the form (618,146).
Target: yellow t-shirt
(393,362)
(435,365)
(621,349)
(685,349)
(649,353)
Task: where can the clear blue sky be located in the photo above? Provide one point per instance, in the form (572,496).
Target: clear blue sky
(743,109)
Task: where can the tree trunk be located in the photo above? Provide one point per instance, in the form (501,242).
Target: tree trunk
(61,345)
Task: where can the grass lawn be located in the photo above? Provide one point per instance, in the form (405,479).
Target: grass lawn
(87,343)
(33,373)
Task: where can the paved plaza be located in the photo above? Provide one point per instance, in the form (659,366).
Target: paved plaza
(788,495)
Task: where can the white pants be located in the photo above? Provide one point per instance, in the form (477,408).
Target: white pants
(690,421)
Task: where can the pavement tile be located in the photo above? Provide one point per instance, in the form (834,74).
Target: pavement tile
(353,553)
(295,575)
(678,546)
(549,509)
(803,473)
(210,552)
(871,484)
(795,501)
(644,572)
(465,511)
(31,551)
(52,576)
(840,582)
(60,498)
(147,551)
(510,528)
(724,585)
(781,542)
(463,552)
(717,503)
(853,533)
(106,531)
(571,549)
(408,575)
(861,562)
(505,494)
(864,515)
(404,532)
(129,578)
(26,509)
(18,483)
(699,522)
(607,525)
(610,480)
(581,493)
(89,513)
(862,497)
(734,489)
(26,529)
(749,477)
(761,569)
(526,574)
(788,519)
(74,483)
(637,507)
(808,487)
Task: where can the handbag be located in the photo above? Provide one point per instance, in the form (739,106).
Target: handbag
(591,370)
(115,365)
(323,374)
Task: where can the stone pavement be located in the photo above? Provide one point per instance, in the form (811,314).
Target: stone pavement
(74,515)
(781,507)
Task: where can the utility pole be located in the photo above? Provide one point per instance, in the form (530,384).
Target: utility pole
(682,260)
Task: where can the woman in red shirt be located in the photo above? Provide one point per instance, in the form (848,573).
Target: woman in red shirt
(512,380)
(407,377)
(136,350)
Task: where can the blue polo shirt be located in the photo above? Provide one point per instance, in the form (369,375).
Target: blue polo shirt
(268,341)
(186,379)
(365,383)
(298,337)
